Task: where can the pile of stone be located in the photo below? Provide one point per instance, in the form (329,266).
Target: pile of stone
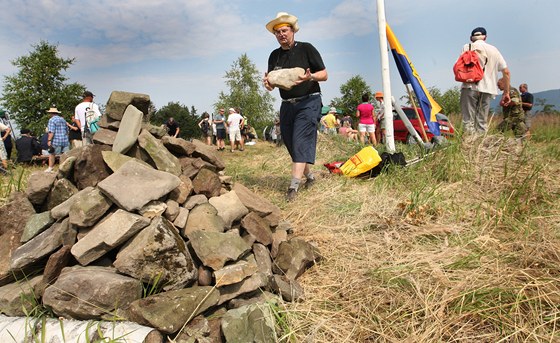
(147,228)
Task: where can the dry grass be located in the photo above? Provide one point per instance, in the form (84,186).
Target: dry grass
(461,247)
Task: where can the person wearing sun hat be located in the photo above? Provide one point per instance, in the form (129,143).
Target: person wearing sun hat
(476,96)
(300,111)
(57,136)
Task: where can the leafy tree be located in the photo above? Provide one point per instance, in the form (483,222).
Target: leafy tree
(38,85)
(187,119)
(352,92)
(247,93)
(450,100)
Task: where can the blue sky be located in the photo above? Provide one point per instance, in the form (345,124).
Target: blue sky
(180,50)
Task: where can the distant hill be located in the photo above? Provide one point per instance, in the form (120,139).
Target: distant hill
(550,97)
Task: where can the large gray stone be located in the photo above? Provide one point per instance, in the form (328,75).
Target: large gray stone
(104,136)
(208,153)
(169,311)
(36,224)
(128,130)
(88,208)
(204,217)
(290,290)
(115,160)
(251,323)
(194,200)
(294,257)
(116,229)
(254,202)
(257,227)
(262,257)
(39,247)
(181,221)
(164,160)
(285,78)
(90,292)
(62,210)
(234,273)
(62,190)
(182,192)
(89,167)
(142,185)
(158,251)
(229,207)
(19,297)
(15,215)
(248,285)
(207,182)
(119,101)
(39,186)
(178,146)
(214,249)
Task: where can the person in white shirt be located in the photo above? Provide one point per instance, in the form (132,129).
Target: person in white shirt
(476,96)
(80,119)
(235,123)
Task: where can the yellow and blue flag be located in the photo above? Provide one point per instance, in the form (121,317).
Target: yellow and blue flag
(409,76)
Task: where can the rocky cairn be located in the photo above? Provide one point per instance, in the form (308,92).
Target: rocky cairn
(147,228)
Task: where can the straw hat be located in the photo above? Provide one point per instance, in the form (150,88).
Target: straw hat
(283,18)
(53,110)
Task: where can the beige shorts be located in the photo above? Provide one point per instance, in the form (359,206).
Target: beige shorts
(235,135)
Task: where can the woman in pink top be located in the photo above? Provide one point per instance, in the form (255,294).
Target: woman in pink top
(367,120)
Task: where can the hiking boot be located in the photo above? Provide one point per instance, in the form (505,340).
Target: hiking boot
(291,194)
(309,183)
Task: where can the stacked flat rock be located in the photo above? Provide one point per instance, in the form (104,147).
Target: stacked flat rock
(145,227)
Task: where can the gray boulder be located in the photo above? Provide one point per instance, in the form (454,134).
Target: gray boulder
(88,208)
(214,249)
(251,323)
(204,217)
(163,159)
(38,186)
(208,153)
(248,285)
(61,191)
(169,311)
(294,257)
(36,224)
(90,292)
(119,101)
(116,229)
(19,297)
(142,185)
(104,136)
(89,167)
(15,215)
(234,273)
(254,202)
(158,252)
(115,160)
(257,227)
(178,146)
(229,207)
(128,130)
(62,210)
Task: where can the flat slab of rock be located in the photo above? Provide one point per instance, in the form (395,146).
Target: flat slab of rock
(116,229)
(294,257)
(76,292)
(234,273)
(128,130)
(17,296)
(251,323)
(142,185)
(168,311)
(204,217)
(39,186)
(163,159)
(214,249)
(255,202)
(88,208)
(229,207)
(119,101)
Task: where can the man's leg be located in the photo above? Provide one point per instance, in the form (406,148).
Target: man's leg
(468,109)
(483,108)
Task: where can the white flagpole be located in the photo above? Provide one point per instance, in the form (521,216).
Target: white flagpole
(387,97)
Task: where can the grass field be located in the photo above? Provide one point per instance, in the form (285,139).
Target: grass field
(461,247)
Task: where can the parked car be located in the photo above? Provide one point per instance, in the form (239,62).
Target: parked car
(401,133)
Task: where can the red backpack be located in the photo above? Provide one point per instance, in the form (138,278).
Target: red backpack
(468,68)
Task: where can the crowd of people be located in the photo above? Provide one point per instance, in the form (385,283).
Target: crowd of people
(369,115)
(60,135)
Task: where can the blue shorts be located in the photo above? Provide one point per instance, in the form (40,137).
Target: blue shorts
(298,124)
(60,149)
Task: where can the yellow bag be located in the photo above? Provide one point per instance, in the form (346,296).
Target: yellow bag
(362,162)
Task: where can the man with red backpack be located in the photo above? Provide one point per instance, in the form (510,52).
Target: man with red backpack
(476,96)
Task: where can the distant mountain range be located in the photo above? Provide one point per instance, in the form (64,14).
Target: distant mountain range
(550,97)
